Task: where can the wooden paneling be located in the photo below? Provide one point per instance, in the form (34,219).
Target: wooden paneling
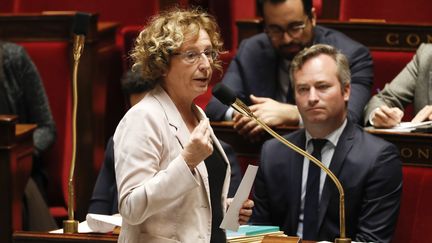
(16,154)
(375,35)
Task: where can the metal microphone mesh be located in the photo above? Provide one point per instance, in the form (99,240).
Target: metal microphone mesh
(81,23)
(224,94)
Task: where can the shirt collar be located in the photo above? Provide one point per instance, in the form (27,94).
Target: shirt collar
(333,137)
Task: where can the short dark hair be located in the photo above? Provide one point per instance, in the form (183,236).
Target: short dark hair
(342,63)
(307,6)
(133,83)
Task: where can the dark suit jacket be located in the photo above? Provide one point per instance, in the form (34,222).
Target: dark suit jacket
(104,199)
(254,70)
(368,168)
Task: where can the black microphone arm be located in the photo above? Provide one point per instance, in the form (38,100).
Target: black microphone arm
(80,26)
(227,97)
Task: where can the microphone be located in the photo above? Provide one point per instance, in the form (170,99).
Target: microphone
(227,97)
(80,26)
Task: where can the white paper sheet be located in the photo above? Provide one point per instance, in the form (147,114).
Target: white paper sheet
(230,221)
(401,127)
(103,223)
(97,223)
(82,228)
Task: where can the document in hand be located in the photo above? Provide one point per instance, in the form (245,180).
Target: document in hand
(230,221)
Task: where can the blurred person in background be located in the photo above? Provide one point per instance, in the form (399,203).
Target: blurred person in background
(411,85)
(22,93)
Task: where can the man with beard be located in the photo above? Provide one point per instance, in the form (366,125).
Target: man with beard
(259,72)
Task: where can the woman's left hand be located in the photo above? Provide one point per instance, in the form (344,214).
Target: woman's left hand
(246,211)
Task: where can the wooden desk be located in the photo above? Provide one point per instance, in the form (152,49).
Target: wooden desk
(16,154)
(415,148)
(43,237)
(40,237)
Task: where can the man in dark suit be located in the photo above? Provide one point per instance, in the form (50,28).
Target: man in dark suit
(290,193)
(258,74)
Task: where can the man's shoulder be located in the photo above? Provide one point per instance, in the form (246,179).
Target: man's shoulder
(293,137)
(256,50)
(10,49)
(424,52)
(324,35)
(363,138)
(259,40)
(14,56)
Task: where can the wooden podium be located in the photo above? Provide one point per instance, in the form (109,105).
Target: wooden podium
(16,154)
(40,237)
(43,237)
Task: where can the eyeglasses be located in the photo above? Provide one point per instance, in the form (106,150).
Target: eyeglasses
(277,32)
(192,57)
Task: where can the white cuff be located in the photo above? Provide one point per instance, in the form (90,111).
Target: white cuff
(229,114)
(372,115)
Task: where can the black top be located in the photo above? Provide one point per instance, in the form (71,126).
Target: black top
(4,105)
(104,199)
(216,169)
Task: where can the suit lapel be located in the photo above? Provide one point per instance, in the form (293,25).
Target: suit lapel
(180,130)
(295,168)
(342,148)
(266,83)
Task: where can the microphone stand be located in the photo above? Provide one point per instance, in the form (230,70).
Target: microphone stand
(70,225)
(240,107)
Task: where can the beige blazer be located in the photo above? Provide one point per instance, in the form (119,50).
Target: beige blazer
(412,85)
(160,199)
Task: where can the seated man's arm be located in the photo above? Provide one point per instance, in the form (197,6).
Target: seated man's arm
(400,91)
(234,79)
(269,111)
(424,114)
(361,67)
(382,197)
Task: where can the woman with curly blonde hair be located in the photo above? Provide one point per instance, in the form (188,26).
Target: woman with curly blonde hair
(172,173)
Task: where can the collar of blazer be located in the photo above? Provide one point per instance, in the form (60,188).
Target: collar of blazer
(342,149)
(181,131)
(175,120)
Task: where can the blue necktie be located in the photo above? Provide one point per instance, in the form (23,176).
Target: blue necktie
(311,207)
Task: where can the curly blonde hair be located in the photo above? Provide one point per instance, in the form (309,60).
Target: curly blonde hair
(164,34)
